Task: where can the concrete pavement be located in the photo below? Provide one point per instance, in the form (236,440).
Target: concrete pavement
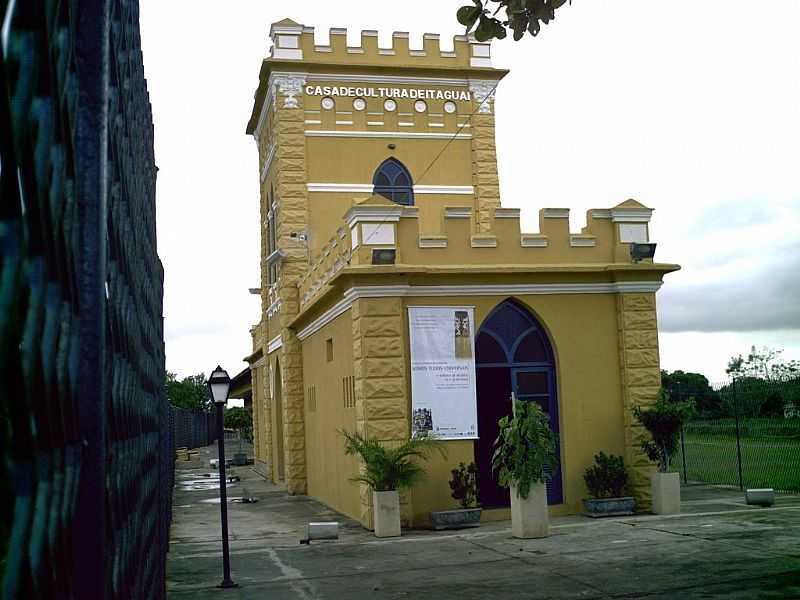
(718,548)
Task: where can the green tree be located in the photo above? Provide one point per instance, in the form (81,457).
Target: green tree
(682,385)
(190,392)
(764,363)
(517,16)
(240,419)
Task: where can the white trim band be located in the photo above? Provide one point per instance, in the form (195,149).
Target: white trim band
(388,134)
(328,316)
(368,188)
(274,344)
(532,289)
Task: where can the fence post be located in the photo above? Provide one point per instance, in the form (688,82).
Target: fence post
(683,455)
(738,434)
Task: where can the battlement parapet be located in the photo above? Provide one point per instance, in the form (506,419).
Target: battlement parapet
(378,232)
(292,41)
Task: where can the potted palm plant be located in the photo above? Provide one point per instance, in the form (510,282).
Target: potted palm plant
(523,459)
(606,481)
(387,470)
(464,486)
(663,421)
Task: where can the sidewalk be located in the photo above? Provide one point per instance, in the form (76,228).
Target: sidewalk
(719,548)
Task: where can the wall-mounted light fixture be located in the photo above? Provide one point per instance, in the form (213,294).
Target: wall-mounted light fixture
(641,251)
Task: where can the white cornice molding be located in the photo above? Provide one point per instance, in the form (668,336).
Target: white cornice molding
(533,289)
(483,241)
(533,241)
(555,213)
(372,214)
(388,79)
(411,135)
(506,213)
(600,213)
(631,215)
(582,241)
(274,344)
(457,212)
(433,241)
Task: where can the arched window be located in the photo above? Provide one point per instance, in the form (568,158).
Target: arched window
(393,181)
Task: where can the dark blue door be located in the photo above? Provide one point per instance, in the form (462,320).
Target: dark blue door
(512,354)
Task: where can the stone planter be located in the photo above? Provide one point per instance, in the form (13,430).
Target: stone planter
(666,491)
(529,517)
(456,519)
(386,513)
(609,507)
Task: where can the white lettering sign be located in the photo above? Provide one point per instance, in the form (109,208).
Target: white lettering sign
(383,92)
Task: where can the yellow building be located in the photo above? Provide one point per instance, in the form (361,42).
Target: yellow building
(379,200)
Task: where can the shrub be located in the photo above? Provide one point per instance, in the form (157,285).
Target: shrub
(663,420)
(607,478)
(525,449)
(389,469)
(464,484)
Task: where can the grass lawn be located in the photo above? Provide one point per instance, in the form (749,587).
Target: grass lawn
(767,461)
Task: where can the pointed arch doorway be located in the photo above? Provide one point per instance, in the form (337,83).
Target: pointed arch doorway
(512,354)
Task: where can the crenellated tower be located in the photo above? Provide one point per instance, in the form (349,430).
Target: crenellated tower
(325,118)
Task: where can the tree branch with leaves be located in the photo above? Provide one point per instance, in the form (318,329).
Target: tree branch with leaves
(517,16)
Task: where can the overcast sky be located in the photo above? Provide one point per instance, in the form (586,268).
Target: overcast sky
(692,108)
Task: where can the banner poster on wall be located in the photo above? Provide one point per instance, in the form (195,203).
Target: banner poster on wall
(443,398)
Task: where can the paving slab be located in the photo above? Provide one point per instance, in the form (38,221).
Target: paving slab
(717,548)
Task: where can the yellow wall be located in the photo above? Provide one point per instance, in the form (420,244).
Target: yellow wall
(583,332)
(327,412)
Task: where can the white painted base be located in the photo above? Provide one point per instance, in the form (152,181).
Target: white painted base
(386,514)
(666,490)
(529,517)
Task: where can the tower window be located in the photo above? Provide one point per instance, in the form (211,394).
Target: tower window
(393,181)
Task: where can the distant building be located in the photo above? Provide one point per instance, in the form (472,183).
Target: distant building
(397,292)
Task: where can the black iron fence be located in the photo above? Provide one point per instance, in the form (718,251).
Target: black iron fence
(87,455)
(192,429)
(746,434)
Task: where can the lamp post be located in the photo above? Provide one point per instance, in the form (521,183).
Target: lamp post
(220,383)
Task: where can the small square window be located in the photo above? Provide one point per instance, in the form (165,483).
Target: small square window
(329,349)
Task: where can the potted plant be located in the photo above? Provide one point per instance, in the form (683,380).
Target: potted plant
(606,481)
(387,470)
(464,486)
(523,459)
(240,419)
(663,421)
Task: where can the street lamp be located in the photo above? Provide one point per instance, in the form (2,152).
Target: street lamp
(219,383)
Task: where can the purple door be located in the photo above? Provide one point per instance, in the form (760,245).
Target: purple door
(512,353)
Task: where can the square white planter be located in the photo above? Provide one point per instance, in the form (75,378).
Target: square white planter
(529,517)
(666,491)
(386,513)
